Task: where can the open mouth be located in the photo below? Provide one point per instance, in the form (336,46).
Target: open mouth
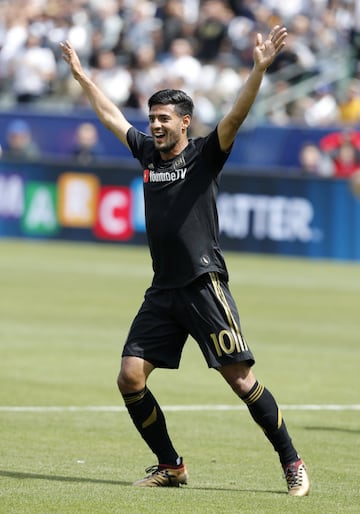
(160,136)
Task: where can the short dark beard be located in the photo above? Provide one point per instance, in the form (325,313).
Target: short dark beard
(167,148)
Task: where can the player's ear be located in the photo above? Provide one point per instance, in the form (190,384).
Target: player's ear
(186,121)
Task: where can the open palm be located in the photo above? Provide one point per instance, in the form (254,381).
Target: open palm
(266,51)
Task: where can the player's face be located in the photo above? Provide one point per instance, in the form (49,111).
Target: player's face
(168,129)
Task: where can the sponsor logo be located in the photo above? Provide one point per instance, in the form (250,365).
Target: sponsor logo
(75,201)
(164,176)
(277,218)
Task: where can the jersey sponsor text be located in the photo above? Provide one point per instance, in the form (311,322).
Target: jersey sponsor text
(164,176)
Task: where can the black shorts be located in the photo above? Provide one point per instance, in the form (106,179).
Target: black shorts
(205,309)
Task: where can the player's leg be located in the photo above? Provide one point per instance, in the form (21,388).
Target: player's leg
(262,407)
(143,408)
(213,320)
(265,411)
(153,341)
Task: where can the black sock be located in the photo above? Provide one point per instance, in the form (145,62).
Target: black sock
(150,422)
(265,411)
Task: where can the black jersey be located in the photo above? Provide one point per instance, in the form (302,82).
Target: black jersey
(180,208)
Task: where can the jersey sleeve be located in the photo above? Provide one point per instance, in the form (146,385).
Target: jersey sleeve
(139,143)
(213,155)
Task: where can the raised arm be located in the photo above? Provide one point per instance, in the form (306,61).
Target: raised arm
(264,54)
(108,113)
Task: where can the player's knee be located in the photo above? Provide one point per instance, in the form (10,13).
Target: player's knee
(127,383)
(131,378)
(239,376)
(120,382)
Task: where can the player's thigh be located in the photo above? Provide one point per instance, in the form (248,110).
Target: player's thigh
(154,334)
(214,322)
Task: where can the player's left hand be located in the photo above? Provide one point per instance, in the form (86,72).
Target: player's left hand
(266,51)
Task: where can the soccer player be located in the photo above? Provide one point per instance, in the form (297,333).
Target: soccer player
(189,293)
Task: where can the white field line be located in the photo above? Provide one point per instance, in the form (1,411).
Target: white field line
(173,408)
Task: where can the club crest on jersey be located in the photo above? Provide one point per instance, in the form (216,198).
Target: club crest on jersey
(179,162)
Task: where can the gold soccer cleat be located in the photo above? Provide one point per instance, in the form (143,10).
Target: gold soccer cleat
(163,475)
(297,478)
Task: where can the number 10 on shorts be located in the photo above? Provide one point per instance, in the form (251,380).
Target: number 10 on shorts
(226,342)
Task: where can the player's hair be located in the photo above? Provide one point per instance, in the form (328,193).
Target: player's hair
(182,102)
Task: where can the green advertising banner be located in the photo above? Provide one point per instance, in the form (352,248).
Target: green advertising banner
(40,216)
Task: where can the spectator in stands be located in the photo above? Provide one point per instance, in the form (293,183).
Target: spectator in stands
(147,74)
(19,142)
(349,106)
(240,33)
(211,31)
(313,162)
(301,35)
(33,69)
(13,34)
(87,148)
(346,161)
(221,80)
(344,149)
(285,8)
(173,25)
(182,64)
(112,78)
(140,25)
(323,110)
(331,142)
(110,23)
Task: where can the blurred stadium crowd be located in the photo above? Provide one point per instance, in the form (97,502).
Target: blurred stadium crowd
(132,48)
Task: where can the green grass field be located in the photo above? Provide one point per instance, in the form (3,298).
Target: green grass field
(67,445)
